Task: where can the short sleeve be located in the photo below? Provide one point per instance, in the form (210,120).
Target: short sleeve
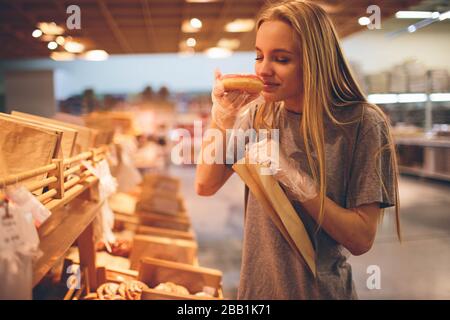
(372,178)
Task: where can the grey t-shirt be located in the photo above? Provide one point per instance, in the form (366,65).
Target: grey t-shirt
(270,269)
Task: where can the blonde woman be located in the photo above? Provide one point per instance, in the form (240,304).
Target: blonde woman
(337,158)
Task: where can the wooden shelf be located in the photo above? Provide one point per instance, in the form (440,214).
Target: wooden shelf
(76,217)
(422,173)
(424,142)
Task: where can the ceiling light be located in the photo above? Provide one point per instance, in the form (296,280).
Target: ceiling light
(218,53)
(440,97)
(445,15)
(195,23)
(50,28)
(414,14)
(74,46)
(47,38)
(231,44)
(382,98)
(187,28)
(96,55)
(240,25)
(62,56)
(60,40)
(412,97)
(191,42)
(364,21)
(52,45)
(37,33)
(412,29)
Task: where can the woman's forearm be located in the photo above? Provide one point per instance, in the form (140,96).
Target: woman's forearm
(211,176)
(355,228)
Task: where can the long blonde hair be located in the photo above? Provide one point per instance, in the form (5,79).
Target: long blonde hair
(327,82)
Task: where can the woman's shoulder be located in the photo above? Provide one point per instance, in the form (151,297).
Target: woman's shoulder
(373,117)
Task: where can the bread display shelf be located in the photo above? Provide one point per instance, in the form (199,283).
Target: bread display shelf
(77,218)
(70,193)
(154,272)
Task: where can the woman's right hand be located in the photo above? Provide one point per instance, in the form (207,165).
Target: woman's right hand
(228,104)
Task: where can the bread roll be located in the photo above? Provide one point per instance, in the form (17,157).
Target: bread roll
(243,82)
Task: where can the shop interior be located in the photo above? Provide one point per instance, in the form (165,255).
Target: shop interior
(94,95)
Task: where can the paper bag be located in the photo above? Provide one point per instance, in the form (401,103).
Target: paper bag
(276,204)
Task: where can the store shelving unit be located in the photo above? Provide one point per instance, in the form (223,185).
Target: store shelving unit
(70,193)
(421,154)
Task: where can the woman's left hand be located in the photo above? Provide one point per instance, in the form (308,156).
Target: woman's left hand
(267,152)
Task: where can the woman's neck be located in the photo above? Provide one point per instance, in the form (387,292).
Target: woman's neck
(293,106)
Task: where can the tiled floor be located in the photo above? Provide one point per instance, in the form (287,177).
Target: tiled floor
(418,268)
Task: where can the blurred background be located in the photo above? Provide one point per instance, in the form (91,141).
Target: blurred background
(156,59)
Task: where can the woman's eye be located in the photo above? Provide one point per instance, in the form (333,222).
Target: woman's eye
(282,60)
(258,58)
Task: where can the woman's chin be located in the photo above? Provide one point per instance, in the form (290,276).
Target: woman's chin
(270,97)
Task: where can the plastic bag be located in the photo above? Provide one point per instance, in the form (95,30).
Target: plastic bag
(19,245)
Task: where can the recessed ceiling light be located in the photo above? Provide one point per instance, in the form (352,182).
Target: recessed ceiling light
(62,56)
(218,53)
(414,14)
(74,46)
(240,25)
(196,23)
(52,45)
(445,15)
(47,38)
(187,28)
(231,44)
(96,55)
(50,28)
(364,21)
(60,40)
(412,29)
(37,33)
(191,42)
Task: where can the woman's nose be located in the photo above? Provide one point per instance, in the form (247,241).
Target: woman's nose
(264,69)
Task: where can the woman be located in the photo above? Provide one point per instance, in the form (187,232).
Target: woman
(338,154)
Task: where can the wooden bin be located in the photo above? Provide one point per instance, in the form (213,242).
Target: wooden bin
(177,250)
(164,232)
(154,271)
(150,219)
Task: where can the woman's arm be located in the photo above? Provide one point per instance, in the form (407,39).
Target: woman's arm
(354,228)
(211,177)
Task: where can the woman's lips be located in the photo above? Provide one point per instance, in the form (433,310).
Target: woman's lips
(270,86)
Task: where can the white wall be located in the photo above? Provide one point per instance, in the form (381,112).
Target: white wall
(374,51)
(128,74)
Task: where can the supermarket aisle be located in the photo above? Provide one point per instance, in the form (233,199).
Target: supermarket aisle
(416,269)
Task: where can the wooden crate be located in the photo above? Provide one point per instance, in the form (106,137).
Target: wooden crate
(154,271)
(164,232)
(180,223)
(177,250)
